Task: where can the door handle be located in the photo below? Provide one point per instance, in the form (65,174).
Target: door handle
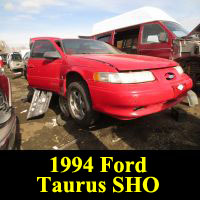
(30,66)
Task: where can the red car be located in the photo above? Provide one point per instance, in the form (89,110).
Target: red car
(93,76)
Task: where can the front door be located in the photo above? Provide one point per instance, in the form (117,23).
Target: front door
(43,73)
(149,41)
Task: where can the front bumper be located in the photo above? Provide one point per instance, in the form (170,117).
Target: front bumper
(8,133)
(130,101)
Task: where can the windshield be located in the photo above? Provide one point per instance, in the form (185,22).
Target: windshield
(81,46)
(16,57)
(177,29)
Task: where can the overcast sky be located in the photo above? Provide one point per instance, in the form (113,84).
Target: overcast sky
(23,19)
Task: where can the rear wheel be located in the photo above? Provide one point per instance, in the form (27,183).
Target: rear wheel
(79,104)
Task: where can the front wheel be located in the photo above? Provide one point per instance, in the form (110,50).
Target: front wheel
(79,104)
(63,106)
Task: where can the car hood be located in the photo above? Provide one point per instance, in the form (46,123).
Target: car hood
(125,62)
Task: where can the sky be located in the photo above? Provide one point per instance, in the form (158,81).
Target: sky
(21,20)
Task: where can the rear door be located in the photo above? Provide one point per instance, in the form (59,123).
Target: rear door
(149,41)
(43,73)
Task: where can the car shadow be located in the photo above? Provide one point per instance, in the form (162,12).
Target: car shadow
(84,139)
(160,131)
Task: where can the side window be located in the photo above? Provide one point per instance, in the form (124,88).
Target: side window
(151,33)
(105,38)
(40,47)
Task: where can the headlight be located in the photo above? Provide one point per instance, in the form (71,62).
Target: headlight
(179,69)
(129,77)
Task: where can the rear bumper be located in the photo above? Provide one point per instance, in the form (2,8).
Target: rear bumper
(127,102)
(8,133)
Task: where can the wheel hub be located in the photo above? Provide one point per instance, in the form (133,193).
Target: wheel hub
(77,104)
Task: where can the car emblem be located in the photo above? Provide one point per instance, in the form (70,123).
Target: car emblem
(169,76)
(180,87)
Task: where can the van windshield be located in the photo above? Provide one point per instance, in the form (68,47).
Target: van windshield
(81,46)
(177,29)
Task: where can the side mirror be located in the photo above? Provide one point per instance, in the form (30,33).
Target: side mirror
(52,55)
(163,37)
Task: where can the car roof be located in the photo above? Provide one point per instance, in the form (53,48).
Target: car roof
(54,38)
(44,38)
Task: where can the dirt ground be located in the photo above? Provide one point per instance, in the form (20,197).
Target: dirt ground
(157,131)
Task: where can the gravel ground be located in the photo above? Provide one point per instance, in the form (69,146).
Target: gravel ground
(158,131)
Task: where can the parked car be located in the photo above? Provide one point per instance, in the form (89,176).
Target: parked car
(25,62)
(150,31)
(14,61)
(7,116)
(91,76)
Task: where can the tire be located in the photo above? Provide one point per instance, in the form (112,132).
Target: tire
(80,105)
(63,106)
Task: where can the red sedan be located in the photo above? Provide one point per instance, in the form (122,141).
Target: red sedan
(93,76)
